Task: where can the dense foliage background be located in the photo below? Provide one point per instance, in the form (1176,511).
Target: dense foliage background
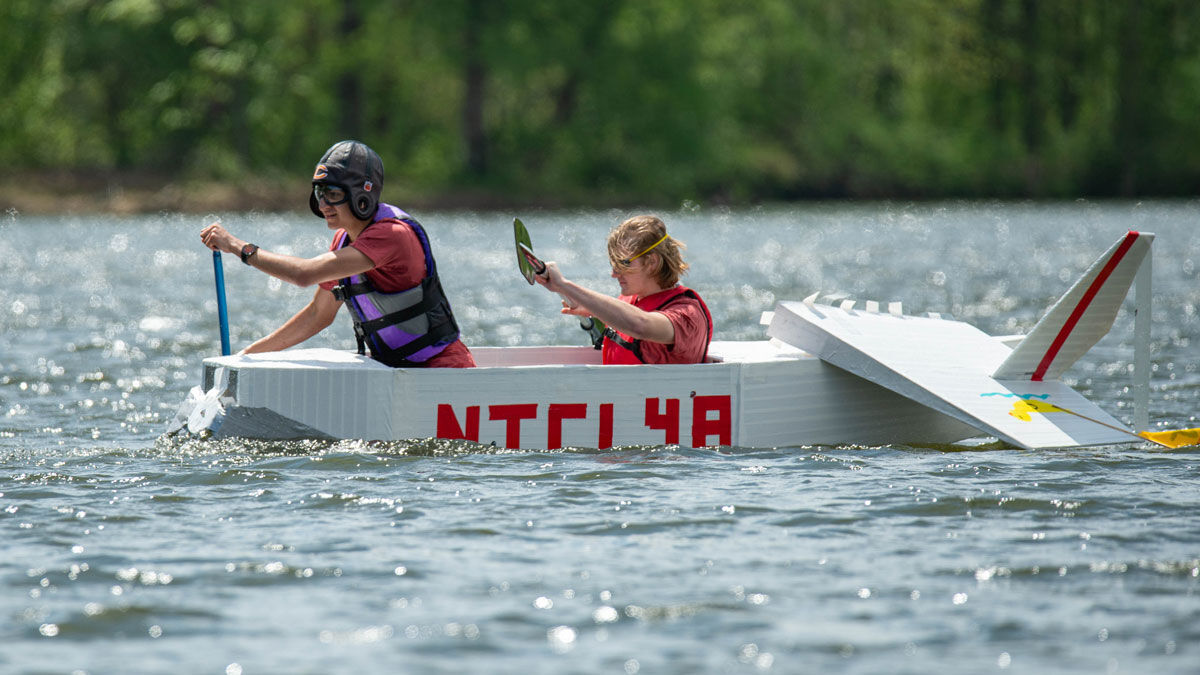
(608,100)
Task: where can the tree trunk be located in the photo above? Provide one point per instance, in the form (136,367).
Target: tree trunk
(350,88)
(474,78)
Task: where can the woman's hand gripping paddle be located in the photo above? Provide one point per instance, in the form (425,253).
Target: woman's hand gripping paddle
(531,266)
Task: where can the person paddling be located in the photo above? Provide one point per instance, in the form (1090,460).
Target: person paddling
(655,319)
(380,266)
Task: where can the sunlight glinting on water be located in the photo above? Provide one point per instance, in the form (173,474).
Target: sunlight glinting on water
(444,556)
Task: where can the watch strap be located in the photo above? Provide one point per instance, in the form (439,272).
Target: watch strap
(247,251)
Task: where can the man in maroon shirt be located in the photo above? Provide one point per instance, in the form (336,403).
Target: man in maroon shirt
(380,266)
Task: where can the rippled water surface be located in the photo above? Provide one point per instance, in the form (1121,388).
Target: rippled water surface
(125,552)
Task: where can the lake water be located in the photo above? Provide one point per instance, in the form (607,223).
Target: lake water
(124,552)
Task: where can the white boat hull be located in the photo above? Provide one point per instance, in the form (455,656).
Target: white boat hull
(829,376)
(760,394)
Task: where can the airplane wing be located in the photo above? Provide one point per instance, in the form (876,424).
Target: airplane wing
(947,365)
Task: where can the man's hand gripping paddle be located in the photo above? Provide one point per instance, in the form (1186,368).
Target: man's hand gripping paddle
(531,266)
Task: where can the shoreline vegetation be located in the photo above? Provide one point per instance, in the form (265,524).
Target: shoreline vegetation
(138,106)
(143,192)
(133,193)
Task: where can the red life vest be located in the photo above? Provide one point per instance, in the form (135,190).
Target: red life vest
(621,349)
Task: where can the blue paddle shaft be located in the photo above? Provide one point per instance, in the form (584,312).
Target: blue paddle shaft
(222,311)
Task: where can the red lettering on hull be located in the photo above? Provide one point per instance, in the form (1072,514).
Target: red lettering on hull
(449,428)
(512,414)
(703,427)
(559,412)
(667,420)
(712,419)
(606,426)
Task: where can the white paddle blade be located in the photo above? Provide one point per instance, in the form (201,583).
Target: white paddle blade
(209,411)
(189,404)
(208,414)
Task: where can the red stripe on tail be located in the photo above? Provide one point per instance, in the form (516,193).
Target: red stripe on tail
(1086,300)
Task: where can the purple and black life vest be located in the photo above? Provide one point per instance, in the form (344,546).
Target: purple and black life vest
(406,328)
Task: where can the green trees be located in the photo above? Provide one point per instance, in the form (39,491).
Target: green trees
(649,100)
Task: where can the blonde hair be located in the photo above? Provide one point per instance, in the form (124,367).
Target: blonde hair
(646,236)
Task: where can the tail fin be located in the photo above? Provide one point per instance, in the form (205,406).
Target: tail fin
(1081,317)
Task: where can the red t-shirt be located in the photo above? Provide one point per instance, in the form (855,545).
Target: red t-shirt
(399,265)
(691,331)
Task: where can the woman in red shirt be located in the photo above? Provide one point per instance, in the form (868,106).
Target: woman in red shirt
(655,319)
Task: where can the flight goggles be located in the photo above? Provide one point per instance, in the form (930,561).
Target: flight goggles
(331,194)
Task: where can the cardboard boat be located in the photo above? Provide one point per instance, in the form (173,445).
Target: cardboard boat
(828,374)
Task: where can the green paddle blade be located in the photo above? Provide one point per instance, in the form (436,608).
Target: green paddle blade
(521,235)
(531,266)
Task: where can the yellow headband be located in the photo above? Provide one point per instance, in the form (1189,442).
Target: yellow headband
(627,261)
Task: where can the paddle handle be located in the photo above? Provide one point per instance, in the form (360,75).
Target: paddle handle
(222,309)
(594,328)
(539,267)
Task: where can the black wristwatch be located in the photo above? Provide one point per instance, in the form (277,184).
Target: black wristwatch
(247,251)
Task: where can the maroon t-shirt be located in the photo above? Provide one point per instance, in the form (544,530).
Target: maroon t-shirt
(399,265)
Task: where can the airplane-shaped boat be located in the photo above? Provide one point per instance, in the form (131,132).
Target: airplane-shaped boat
(828,374)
